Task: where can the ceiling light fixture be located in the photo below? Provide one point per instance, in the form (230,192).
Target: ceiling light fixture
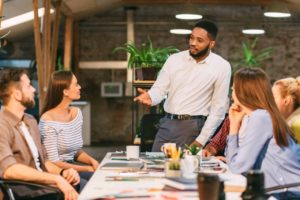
(253,28)
(253,31)
(277,9)
(179,31)
(189,12)
(7,23)
(187,16)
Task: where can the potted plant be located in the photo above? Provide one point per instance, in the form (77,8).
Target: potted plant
(192,150)
(147,60)
(173,156)
(191,161)
(251,56)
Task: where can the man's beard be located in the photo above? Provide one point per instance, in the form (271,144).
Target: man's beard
(27,102)
(200,53)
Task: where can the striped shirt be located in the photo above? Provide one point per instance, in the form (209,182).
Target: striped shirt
(62,140)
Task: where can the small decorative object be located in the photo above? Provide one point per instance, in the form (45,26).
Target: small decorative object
(191,161)
(193,150)
(172,168)
(189,165)
(172,164)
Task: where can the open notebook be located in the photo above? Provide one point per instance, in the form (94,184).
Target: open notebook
(181,183)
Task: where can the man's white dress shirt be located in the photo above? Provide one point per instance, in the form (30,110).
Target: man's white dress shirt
(194,88)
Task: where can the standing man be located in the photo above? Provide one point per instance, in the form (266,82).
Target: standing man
(21,155)
(196,83)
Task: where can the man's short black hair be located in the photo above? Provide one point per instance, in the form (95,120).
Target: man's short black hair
(209,26)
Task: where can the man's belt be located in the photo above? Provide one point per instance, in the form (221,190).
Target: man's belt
(184,117)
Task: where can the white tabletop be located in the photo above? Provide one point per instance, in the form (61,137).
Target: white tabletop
(150,188)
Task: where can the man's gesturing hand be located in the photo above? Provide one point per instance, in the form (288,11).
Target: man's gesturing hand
(143,98)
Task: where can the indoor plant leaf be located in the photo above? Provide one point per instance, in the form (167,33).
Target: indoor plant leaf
(251,56)
(147,55)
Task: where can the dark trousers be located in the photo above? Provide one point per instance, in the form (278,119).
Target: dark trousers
(288,195)
(84,176)
(180,132)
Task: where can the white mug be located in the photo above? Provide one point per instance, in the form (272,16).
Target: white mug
(132,152)
(188,165)
(167,147)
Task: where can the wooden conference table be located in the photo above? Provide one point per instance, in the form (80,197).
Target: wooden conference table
(148,185)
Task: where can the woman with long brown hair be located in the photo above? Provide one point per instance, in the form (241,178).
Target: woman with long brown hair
(61,126)
(267,144)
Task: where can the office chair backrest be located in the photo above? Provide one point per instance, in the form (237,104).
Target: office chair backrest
(19,190)
(149,128)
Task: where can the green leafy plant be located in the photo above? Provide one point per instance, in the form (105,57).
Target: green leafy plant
(174,164)
(194,149)
(147,56)
(251,56)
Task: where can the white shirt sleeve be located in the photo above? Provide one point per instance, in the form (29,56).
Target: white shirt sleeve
(161,86)
(218,106)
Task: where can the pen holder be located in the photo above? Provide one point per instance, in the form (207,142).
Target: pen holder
(172,168)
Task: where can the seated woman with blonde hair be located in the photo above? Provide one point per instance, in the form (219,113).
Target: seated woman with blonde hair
(61,126)
(287,97)
(268,144)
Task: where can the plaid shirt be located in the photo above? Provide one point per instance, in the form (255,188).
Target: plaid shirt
(218,143)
